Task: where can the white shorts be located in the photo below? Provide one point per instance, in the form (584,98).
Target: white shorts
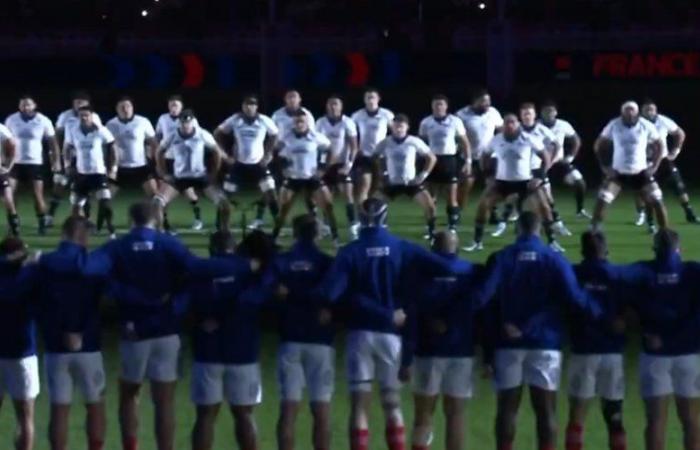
(19,378)
(667,375)
(239,384)
(153,359)
(517,367)
(310,365)
(85,370)
(373,356)
(598,374)
(447,376)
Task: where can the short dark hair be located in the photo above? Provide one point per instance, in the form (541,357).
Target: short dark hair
(370,90)
(440,97)
(26,96)
(666,241)
(527,105)
(648,101)
(250,99)
(402,118)
(334,96)
(125,98)
(221,241)
(300,113)
(259,245)
(80,95)
(529,222)
(594,245)
(548,103)
(443,242)
(305,227)
(72,225)
(141,213)
(175,98)
(85,108)
(186,114)
(290,90)
(478,93)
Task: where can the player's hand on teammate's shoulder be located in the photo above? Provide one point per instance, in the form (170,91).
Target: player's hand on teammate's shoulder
(325,316)
(619,325)
(511,331)
(209,325)
(487,371)
(653,341)
(438,326)
(281,292)
(399,317)
(255,265)
(73,341)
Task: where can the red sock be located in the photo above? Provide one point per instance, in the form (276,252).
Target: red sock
(574,437)
(420,447)
(506,446)
(548,447)
(95,444)
(130,443)
(395,437)
(359,439)
(618,440)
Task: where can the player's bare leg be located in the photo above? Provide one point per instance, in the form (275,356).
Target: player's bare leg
(539,198)
(463,191)
(204,426)
(688,410)
(39,204)
(654,198)
(358,427)
(105,213)
(657,418)
(245,427)
(323,198)
(453,409)
(193,198)
(506,417)
(678,187)
(129,414)
(346,189)
(286,202)
(95,424)
(393,417)
(544,404)
(578,409)
(424,407)
(606,196)
(612,414)
(24,416)
(161,200)
(289,410)
(363,187)
(321,433)
(223,207)
(426,202)
(8,201)
(58,426)
(163,397)
(489,197)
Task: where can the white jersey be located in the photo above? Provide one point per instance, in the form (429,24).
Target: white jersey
(442,134)
(189,152)
(546,137)
(285,121)
(664,126)
(249,135)
(303,153)
(630,144)
(480,128)
(89,149)
(514,158)
(561,130)
(372,128)
(337,133)
(30,136)
(131,137)
(167,124)
(401,157)
(69,119)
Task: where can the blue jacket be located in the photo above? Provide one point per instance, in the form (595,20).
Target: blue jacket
(17,326)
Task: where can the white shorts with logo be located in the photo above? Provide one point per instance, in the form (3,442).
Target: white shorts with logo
(669,375)
(84,370)
(19,377)
(311,365)
(239,384)
(593,375)
(154,359)
(517,367)
(447,376)
(373,356)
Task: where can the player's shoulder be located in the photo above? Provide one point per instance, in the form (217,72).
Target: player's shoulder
(427,121)
(307,112)
(359,115)
(278,113)
(493,112)
(113,122)
(141,120)
(563,124)
(204,133)
(414,140)
(386,113)
(463,112)
(267,120)
(666,121)
(14,117)
(647,124)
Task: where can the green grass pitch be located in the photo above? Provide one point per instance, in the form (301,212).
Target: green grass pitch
(627,243)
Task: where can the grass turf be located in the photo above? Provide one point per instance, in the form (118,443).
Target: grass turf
(627,243)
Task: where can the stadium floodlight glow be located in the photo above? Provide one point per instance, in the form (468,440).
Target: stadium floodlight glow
(481,5)
(144,13)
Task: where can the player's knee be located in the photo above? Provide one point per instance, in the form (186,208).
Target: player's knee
(606,196)
(573,177)
(104,194)
(267,184)
(612,413)
(391,401)
(677,182)
(654,193)
(77,200)
(159,201)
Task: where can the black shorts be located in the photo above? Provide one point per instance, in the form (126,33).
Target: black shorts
(135,176)
(507,188)
(560,170)
(299,185)
(27,172)
(182,184)
(478,171)
(333,177)
(363,165)
(4,181)
(539,173)
(245,176)
(637,181)
(394,190)
(446,170)
(84,185)
(666,168)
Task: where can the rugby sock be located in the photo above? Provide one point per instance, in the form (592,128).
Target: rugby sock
(555,213)
(507,211)
(196,210)
(574,437)
(548,231)
(105,214)
(420,447)
(95,444)
(506,446)
(13,222)
(53,205)
(274,208)
(395,436)
(618,440)
(130,443)
(478,232)
(259,210)
(87,208)
(453,215)
(359,439)
(166,222)
(548,447)
(41,220)
(431,227)
(350,212)
(579,193)
(493,218)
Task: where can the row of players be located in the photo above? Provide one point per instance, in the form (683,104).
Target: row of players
(337,152)
(426,329)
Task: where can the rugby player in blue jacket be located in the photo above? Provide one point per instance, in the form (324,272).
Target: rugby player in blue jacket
(596,366)
(440,332)
(666,301)
(19,368)
(69,320)
(306,357)
(369,274)
(529,283)
(150,264)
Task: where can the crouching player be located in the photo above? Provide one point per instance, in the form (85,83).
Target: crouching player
(439,331)
(596,366)
(69,319)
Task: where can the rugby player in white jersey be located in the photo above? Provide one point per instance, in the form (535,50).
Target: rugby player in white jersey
(136,148)
(66,121)
(400,151)
(513,151)
(668,169)
(92,147)
(373,124)
(481,122)
(32,130)
(193,149)
(7,158)
(284,116)
(629,136)
(341,131)
(563,162)
(446,137)
(253,139)
(305,154)
(166,125)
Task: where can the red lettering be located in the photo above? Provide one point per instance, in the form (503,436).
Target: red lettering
(610,64)
(636,67)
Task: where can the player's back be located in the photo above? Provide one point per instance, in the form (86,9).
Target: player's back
(17,328)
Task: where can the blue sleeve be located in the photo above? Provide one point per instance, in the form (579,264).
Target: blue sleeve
(491,277)
(335,282)
(571,291)
(372,308)
(180,253)
(409,333)
(99,262)
(429,262)
(255,294)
